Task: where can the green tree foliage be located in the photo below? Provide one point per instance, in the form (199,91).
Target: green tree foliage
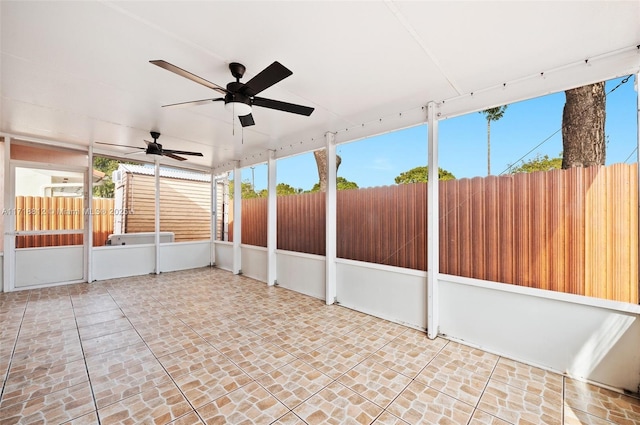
(492,114)
(341,183)
(285,189)
(107,166)
(282,189)
(246,190)
(421,175)
(539,163)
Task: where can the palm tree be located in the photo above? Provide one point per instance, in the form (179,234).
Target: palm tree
(492,114)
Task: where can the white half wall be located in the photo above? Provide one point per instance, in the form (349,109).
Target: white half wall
(110,262)
(224,255)
(304,273)
(50,265)
(254,262)
(586,338)
(391,293)
(184,255)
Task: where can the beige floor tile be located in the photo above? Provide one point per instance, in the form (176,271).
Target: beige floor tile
(104,328)
(458,355)
(211,382)
(294,382)
(481,418)
(56,347)
(408,359)
(455,381)
(375,382)
(515,405)
(57,407)
(115,361)
(577,417)
(110,342)
(128,380)
(290,419)
(531,379)
(388,419)
(251,404)
(191,418)
(605,404)
(88,419)
(89,318)
(190,359)
(337,404)
(258,359)
(420,404)
(334,359)
(161,404)
(38,379)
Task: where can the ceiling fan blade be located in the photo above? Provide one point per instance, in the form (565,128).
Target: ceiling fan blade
(193,102)
(171,151)
(170,155)
(120,146)
(266,78)
(186,74)
(282,106)
(246,120)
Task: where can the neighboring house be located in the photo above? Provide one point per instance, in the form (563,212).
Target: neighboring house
(185,202)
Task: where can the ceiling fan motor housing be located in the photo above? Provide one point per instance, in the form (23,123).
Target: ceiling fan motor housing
(154,149)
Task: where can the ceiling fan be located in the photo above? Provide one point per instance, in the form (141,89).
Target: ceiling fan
(240,97)
(155,148)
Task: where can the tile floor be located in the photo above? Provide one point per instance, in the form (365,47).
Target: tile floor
(205,346)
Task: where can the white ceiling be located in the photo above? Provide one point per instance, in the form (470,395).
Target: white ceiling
(79,72)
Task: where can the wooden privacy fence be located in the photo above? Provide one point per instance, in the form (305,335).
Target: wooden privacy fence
(573,231)
(35,213)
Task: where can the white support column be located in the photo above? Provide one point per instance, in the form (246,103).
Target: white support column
(214,219)
(88,218)
(157,210)
(237,219)
(8,277)
(433,218)
(331,220)
(272,221)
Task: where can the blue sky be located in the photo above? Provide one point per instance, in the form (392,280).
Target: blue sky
(463,143)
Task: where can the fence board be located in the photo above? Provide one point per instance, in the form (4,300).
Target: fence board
(572,231)
(35,213)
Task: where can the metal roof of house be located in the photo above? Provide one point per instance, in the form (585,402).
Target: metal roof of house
(166,172)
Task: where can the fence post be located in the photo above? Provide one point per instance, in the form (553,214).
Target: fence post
(272,221)
(237,218)
(433,238)
(331,220)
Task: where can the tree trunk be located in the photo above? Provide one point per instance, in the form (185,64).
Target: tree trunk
(583,140)
(321,162)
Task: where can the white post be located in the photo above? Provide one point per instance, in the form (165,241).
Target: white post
(237,219)
(272,221)
(8,277)
(213,190)
(433,235)
(331,220)
(88,219)
(157,217)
